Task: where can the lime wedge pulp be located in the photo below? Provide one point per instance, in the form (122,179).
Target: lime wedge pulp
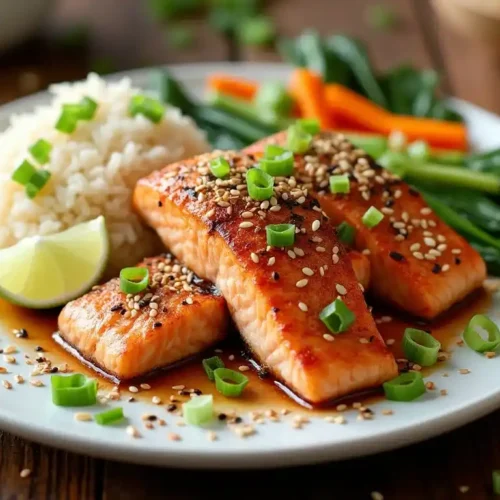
(42,272)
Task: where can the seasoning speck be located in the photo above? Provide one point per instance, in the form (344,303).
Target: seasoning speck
(25,473)
(83,417)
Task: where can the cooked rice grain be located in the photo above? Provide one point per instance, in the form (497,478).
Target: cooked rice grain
(93,169)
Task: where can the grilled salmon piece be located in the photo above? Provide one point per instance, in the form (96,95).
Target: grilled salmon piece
(177,316)
(274,295)
(418,263)
(361,267)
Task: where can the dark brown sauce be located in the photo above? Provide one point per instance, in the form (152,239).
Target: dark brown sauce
(261,393)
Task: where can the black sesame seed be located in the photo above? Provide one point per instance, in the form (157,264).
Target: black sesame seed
(54,369)
(197,392)
(41,359)
(184,393)
(458,261)
(368,411)
(171,407)
(160,204)
(389,203)
(122,312)
(158,325)
(396,256)
(22,334)
(174,400)
(263,373)
(275,276)
(116,308)
(222,416)
(276,310)
(184,303)
(1,351)
(39,348)
(372,338)
(131,400)
(152,418)
(436,268)
(238,420)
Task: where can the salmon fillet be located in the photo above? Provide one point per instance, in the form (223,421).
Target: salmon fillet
(418,263)
(361,267)
(128,336)
(274,295)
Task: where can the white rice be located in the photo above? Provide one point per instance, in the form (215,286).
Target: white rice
(94,169)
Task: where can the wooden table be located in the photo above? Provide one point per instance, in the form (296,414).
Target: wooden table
(121,31)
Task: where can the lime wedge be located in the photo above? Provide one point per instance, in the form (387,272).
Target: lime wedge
(42,272)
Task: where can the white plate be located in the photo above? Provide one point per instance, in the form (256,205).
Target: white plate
(28,412)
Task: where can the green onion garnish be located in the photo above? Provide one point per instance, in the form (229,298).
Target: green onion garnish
(260,184)
(406,387)
(73,390)
(496,481)
(37,182)
(340,184)
(346,233)
(298,140)
(23,174)
(230,383)
(419,150)
(280,235)
(88,108)
(41,151)
(134,279)
(337,316)
(277,161)
(420,347)
(473,338)
(372,217)
(109,417)
(67,121)
(147,106)
(199,410)
(211,364)
(309,125)
(220,167)
(273,97)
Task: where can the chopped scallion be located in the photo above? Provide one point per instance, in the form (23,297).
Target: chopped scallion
(277,161)
(88,108)
(346,233)
(473,338)
(420,347)
(40,151)
(23,174)
(229,382)
(200,410)
(260,184)
(73,390)
(37,182)
(211,364)
(280,235)
(298,140)
(309,125)
(406,387)
(220,167)
(337,316)
(134,279)
(109,417)
(340,184)
(273,97)
(419,150)
(147,106)
(67,121)
(372,217)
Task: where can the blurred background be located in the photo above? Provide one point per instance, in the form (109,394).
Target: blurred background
(44,41)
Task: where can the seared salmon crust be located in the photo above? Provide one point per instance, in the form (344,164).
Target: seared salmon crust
(275,295)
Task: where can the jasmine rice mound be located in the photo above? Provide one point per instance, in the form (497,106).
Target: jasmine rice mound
(94,169)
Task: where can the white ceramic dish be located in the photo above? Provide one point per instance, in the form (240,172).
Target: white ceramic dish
(28,411)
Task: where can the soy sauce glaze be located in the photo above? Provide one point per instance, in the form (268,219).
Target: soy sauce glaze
(262,392)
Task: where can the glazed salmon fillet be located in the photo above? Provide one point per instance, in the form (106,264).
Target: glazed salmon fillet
(177,316)
(275,295)
(418,263)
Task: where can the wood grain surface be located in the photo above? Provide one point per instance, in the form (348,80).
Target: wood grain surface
(120,32)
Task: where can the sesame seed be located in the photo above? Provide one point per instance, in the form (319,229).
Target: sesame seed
(247,215)
(387,412)
(10,349)
(3,370)
(426,211)
(341,289)
(339,420)
(316,225)
(246,225)
(328,337)
(463,489)
(341,407)
(308,271)
(335,258)
(301,283)
(178,387)
(10,359)
(271,261)
(25,473)
(172,436)
(275,208)
(231,357)
(430,386)
(366,251)
(83,417)
(490,354)
(132,431)
(156,400)
(299,252)
(443,392)
(133,388)
(243,368)
(303,307)
(442,247)
(430,242)
(456,251)
(445,268)
(6,384)
(211,436)
(36,383)
(364,341)
(390,342)
(19,379)
(335,250)
(291,254)
(153,313)
(464,371)
(415,247)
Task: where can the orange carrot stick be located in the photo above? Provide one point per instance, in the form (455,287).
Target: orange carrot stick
(309,93)
(233,86)
(351,109)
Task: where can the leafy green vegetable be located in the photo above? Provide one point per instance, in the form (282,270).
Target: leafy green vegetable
(484,162)
(171,92)
(256,31)
(170,9)
(381,17)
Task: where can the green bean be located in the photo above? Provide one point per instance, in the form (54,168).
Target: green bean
(171,92)
(484,162)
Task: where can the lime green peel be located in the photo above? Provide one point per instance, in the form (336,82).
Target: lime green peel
(42,272)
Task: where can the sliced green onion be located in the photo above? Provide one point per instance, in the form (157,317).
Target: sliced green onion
(147,106)
(220,167)
(473,338)
(406,387)
(309,125)
(298,140)
(346,233)
(496,481)
(37,182)
(88,108)
(134,279)
(420,347)
(277,161)
(273,97)
(23,174)
(337,316)
(230,383)
(260,184)
(73,390)
(340,184)
(419,150)
(280,235)
(211,364)
(109,417)
(41,151)
(372,217)
(199,410)
(67,122)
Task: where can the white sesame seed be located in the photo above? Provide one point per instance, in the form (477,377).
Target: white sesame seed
(36,382)
(271,261)
(366,251)
(308,271)
(445,267)
(133,388)
(390,342)
(328,337)
(376,495)
(399,237)
(10,359)
(301,283)
(387,210)
(254,257)
(303,307)
(341,289)
(10,349)
(156,400)
(153,305)
(172,436)
(364,341)
(432,223)
(264,205)
(335,249)
(153,313)
(316,225)
(25,473)
(178,387)
(246,225)
(291,254)
(243,368)
(456,251)
(6,384)
(415,247)
(299,252)
(83,417)
(275,208)
(247,215)
(430,242)
(442,247)
(132,431)
(335,258)
(301,200)
(320,249)
(19,379)
(426,211)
